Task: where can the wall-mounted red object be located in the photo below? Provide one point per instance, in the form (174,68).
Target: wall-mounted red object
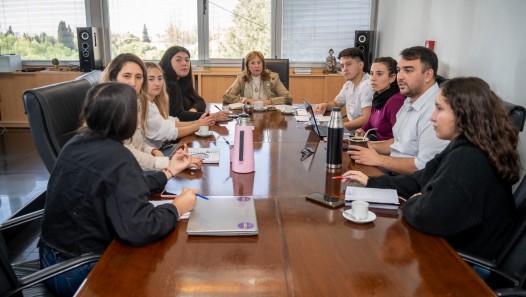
(430,44)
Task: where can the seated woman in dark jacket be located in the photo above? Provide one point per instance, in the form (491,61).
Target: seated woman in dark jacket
(97,191)
(185,103)
(463,194)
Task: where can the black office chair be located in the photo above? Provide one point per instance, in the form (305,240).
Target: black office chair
(279,66)
(26,278)
(517,114)
(509,269)
(53,112)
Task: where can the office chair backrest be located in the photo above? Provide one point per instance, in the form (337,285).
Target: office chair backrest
(53,112)
(279,66)
(517,114)
(514,263)
(8,279)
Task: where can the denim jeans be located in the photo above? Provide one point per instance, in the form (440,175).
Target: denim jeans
(482,272)
(67,283)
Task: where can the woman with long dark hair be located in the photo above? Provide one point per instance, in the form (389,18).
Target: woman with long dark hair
(463,194)
(387,100)
(185,103)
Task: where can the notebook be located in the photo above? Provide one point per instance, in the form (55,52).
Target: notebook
(208,155)
(377,198)
(223,216)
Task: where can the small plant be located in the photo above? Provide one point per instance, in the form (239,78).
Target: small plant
(55,62)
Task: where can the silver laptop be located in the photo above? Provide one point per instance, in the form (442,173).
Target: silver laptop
(321,130)
(223,216)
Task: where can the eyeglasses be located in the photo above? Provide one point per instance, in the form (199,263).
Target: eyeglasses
(306,152)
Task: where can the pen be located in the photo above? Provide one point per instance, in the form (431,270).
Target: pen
(339,177)
(201,196)
(217,107)
(226,141)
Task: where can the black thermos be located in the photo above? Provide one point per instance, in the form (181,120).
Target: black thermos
(335,139)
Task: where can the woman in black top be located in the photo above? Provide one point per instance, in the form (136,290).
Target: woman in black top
(463,194)
(185,103)
(97,191)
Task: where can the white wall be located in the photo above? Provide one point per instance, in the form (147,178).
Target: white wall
(483,38)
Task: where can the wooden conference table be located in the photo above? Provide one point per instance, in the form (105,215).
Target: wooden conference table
(303,249)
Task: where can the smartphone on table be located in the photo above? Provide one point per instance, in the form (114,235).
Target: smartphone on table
(166,194)
(325,200)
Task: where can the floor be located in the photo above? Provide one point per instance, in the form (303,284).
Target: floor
(23,178)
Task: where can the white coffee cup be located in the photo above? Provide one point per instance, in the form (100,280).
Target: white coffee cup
(203,130)
(288,109)
(258,105)
(359,210)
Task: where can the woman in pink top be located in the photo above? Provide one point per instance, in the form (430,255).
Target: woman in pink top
(387,100)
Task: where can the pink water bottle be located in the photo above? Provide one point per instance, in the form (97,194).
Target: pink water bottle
(243,155)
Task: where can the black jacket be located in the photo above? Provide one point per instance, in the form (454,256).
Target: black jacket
(180,103)
(98,192)
(463,199)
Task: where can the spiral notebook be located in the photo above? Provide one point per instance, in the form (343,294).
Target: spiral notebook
(223,216)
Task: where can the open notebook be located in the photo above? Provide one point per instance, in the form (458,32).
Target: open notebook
(223,216)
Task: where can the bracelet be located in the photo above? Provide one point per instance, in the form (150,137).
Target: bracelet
(169,171)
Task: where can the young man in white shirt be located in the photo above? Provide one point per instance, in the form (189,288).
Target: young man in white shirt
(414,141)
(356,94)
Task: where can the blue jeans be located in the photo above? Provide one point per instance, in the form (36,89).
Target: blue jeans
(482,272)
(67,283)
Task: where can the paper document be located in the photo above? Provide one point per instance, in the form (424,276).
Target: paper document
(305,118)
(208,155)
(302,112)
(371,195)
(184,216)
(235,105)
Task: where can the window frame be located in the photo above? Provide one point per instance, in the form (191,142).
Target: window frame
(97,15)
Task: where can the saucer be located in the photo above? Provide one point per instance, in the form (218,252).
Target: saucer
(203,135)
(260,109)
(370,217)
(287,112)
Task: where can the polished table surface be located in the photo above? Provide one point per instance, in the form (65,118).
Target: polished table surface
(303,249)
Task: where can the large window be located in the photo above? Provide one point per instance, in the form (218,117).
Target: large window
(312,27)
(41,30)
(148,28)
(239,26)
(212,30)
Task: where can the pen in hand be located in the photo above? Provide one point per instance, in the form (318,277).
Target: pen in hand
(201,196)
(217,107)
(340,177)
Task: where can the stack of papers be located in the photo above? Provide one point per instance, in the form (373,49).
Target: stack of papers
(208,155)
(377,198)
(303,116)
(238,105)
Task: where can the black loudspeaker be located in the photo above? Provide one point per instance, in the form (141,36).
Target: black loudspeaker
(364,40)
(90,49)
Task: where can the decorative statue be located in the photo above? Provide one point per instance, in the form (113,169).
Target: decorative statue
(330,63)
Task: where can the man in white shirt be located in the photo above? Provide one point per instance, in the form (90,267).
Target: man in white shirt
(414,141)
(356,94)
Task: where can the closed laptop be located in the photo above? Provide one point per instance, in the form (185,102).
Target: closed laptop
(223,216)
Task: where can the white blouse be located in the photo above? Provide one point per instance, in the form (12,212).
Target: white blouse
(159,129)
